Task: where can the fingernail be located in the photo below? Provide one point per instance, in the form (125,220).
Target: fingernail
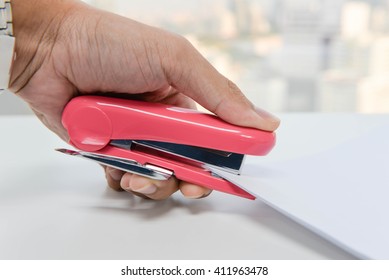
(199,195)
(147,190)
(115,174)
(196,197)
(270,123)
(266,115)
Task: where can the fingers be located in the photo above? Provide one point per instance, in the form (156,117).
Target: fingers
(154,189)
(159,190)
(192,191)
(191,74)
(113,176)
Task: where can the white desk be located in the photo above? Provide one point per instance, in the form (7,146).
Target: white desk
(58,207)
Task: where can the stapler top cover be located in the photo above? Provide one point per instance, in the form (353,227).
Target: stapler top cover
(94,121)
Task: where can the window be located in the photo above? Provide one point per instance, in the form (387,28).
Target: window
(285,55)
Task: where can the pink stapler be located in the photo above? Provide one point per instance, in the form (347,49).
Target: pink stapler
(159,141)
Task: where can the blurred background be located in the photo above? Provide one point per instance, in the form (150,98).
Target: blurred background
(285,55)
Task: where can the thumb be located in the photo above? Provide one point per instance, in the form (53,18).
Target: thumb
(198,79)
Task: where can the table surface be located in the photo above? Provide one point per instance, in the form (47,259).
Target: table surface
(58,207)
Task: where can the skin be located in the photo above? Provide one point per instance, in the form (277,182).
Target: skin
(65,48)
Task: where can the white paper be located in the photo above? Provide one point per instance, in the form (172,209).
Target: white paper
(341,193)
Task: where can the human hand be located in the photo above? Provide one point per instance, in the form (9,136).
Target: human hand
(66,48)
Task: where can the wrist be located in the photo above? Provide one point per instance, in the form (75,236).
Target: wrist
(36,24)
